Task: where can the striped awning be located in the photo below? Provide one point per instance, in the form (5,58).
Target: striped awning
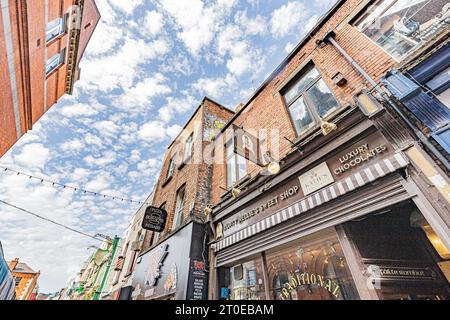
(359,179)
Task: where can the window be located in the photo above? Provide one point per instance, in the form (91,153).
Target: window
(17,281)
(55,28)
(178,216)
(54,62)
(440,85)
(236,165)
(171,168)
(399,26)
(243,282)
(309,100)
(188,148)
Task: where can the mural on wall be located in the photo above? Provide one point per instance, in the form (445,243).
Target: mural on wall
(213,125)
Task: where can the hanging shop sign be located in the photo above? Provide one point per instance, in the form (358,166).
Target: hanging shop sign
(316,179)
(154,219)
(247,145)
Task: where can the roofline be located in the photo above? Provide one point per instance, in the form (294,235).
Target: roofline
(93,30)
(195,113)
(286,60)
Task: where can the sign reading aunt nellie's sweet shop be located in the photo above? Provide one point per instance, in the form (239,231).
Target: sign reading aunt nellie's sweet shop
(337,167)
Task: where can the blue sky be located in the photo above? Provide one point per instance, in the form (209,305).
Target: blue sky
(146,69)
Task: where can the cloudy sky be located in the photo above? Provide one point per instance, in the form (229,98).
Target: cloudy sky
(146,69)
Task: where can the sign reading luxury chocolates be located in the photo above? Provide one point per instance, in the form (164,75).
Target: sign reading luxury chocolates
(359,155)
(154,219)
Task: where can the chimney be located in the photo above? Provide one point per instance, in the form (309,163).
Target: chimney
(239,107)
(12,264)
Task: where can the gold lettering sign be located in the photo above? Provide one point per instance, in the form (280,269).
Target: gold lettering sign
(306,278)
(261,208)
(361,154)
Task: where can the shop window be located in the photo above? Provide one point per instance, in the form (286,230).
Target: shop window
(236,165)
(400,26)
(188,148)
(243,281)
(55,28)
(178,216)
(54,62)
(309,100)
(312,268)
(402,254)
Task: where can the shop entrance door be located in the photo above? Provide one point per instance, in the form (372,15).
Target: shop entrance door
(401,255)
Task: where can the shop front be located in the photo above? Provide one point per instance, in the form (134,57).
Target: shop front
(176,269)
(348,225)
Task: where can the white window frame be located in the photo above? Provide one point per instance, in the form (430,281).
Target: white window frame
(55,62)
(179,208)
(171,168)
(55,28)
(233,160)
(188,148)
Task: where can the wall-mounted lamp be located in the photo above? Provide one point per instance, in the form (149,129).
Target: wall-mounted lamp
(235,192)
(272,168)
(339,79)
(208,211)
(367,103)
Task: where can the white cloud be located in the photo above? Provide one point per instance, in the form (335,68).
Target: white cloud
(104,38)
(33,155)
(139,96)
(153,23)
(287,18)
(78,110)
(127,6)
(251,26)
(118,71)
(176,105)
(289,47)
(156,131)
(72,145)
(214,87)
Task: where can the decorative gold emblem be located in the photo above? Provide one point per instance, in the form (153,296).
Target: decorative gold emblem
(327,127)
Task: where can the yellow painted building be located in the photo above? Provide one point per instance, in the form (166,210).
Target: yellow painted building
(25,279)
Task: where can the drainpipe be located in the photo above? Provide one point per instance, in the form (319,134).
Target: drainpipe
(329,38)
(113,251)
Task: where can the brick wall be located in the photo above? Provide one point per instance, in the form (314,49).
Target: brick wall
(34,89)
(267,110)
(195,175)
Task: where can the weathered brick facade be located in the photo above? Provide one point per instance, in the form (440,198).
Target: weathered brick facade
(27,92)
(267,110)
(195,174)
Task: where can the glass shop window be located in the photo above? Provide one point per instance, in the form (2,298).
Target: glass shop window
(400,26)
(312,268)
(309,100)
(243,281)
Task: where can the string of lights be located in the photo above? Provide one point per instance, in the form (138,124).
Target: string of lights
(75,189)
(51,221)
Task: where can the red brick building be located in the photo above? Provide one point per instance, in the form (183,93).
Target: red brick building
(41,45)
(355,204)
